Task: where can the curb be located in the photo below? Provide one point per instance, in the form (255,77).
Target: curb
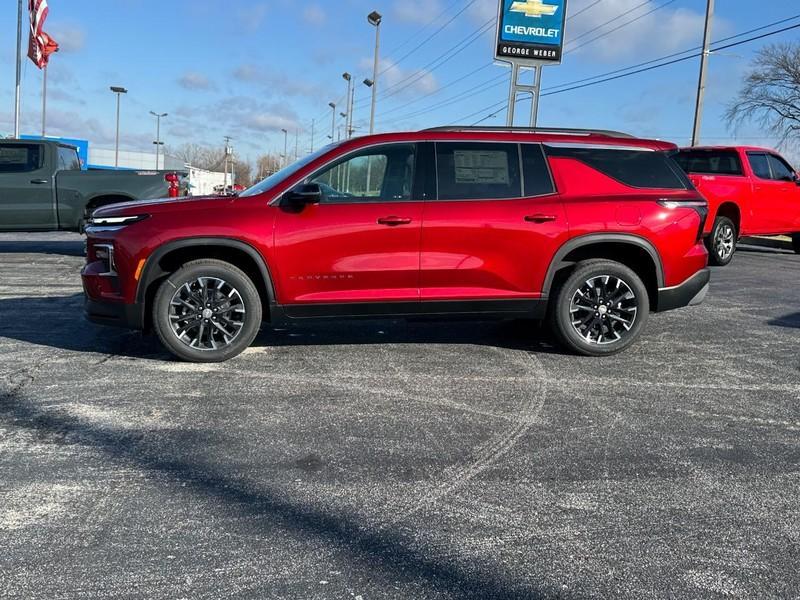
(780,243)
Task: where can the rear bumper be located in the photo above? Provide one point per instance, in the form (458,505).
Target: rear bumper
(690,292)
(115,314)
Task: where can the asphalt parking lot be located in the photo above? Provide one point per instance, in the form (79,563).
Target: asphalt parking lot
(400,460)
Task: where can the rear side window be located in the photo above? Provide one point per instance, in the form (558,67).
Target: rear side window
(20,158)
(759,164)
(780,170)
(711,162)
(68,159)
(478,171)
(635,168)
(535,172)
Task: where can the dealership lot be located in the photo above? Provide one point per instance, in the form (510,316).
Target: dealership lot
(402,460)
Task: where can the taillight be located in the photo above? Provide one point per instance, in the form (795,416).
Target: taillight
(699,205)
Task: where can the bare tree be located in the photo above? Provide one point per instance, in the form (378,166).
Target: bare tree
(770,94)
(202,157)
(267,164)
(243,172)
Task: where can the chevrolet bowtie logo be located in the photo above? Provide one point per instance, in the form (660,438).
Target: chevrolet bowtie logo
(534,8)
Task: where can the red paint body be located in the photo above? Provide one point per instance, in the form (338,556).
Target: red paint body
(764,206)
(412,250)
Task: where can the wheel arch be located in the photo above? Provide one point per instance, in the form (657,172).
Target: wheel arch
(630,250)
(167,258)
(731,210)
(104,199)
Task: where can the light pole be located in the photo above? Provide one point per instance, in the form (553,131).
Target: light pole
(285,147)
(701,83)
(333,120)
(374,19)
(158,141)
(118,91)
(348,102)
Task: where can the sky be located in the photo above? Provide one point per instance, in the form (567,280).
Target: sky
(248,69)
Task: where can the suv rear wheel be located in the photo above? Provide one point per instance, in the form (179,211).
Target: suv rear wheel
(600,309)
(721,243)
(207,311)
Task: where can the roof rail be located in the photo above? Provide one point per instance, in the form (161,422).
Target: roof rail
(555,130)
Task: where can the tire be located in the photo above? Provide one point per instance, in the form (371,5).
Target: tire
(722,242)
(620,316)
(223,328)
(796,243)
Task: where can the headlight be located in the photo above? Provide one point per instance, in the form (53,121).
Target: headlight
(116,221)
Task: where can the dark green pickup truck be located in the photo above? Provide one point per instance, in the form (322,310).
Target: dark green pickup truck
(42,186)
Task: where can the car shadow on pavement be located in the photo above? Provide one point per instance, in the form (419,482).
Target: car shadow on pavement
(386,549)
(64,248)
(58,322)
(791,320)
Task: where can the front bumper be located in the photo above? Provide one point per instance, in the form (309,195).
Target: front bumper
(115,314)
(690,292)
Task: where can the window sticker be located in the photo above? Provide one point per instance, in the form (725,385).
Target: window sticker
(481,167)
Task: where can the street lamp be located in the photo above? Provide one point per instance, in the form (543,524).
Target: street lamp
(285,147)
(333,119)
(374,18)
(158,141)
(118,91)
(349,102)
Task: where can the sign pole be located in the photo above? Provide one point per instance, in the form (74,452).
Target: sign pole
(537,86)
(19,70)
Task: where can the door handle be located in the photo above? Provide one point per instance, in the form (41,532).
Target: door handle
(39,181)
(393,221)
(540,218)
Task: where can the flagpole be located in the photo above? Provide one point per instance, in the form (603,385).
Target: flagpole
(44,99)
(19,70)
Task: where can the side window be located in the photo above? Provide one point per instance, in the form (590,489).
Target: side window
(535,172)
(712,162)
(68,159)
(383,173)
(477,171)
(780,170)
(759,164)
(20,158)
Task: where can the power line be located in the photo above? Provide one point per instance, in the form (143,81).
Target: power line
(424,27)
(649,68)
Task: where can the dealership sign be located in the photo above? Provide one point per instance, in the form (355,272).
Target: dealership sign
(530,31)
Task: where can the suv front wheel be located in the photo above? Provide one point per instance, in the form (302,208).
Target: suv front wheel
(721,243)
(207,311)
(600,309)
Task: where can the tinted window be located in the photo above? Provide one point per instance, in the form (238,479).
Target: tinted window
(780,170)
(535,173)
(636,168)
(759,164)
(477,171)
(380,173)
(714,162)
(19,158)
(68,159)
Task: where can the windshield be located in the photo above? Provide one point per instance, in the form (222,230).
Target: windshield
(276,178)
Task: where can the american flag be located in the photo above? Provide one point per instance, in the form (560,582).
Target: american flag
(40,45)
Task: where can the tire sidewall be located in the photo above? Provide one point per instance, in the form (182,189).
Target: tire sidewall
(563,318)
(187,274)
(714,257)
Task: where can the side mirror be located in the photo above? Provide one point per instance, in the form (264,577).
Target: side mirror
(307,193)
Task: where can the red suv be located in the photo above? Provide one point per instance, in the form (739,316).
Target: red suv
(591,230)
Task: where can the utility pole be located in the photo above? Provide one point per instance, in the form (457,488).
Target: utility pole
(313,123)
(285,147)
(296,142)
(158,141)
(118,91)
(333,120)
(374,18)
(348,101)
(701,83)
(19,70)
(225,162)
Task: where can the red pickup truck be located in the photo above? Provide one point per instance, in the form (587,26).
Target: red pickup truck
(750,191)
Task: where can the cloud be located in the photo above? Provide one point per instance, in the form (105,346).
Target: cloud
(401,81)
(252,17)
(662,31)
(314,15)
(417,11)
(70,38)
(276,82)
(192,80)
